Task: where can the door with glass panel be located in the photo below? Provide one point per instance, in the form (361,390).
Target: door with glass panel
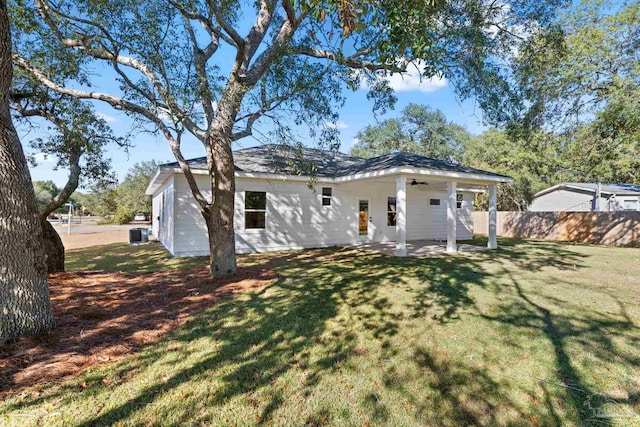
(363,219)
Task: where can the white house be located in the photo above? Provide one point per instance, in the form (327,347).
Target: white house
(395,197)
(584,197)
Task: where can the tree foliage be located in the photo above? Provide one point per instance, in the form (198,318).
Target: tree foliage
(101,200)
(69,131)
(45,192)
(120,201)
(582,78)
(532,162)
(130,197)
(419,130)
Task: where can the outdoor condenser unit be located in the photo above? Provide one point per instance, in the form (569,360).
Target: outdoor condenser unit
(138,235)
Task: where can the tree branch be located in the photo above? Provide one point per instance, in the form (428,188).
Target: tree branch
(116,58)
(350,61)
(280,40)
(259,29)
(200,58)
(70,186)
(119,103)
(228,29)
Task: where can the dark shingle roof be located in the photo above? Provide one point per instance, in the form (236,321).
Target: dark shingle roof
(629,189)
(401,159)
(285,160)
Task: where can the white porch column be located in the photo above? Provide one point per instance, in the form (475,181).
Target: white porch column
(401,216)
(493,217)
(452,217)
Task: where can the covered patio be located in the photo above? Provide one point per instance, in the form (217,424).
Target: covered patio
(418,248)
(416,227)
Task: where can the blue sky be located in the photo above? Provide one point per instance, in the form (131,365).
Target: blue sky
(354,116)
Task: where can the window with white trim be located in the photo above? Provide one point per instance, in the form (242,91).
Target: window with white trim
(392,215)
(326,196)
(255,210)
(459,199)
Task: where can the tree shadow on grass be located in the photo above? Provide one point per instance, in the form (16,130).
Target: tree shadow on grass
(271,332)
(299,324)
(592,332)
(447,294)
(563,322)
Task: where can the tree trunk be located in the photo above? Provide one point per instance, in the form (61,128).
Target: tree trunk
(219,217)
(53,247)
(24,293)
(52,243)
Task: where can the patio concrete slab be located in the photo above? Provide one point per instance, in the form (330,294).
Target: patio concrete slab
(418,248)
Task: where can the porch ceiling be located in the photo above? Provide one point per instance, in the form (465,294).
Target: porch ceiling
(423,183)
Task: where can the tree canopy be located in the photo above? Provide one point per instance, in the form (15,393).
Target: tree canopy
(419,130)
(532,162)
(581,77)
(45,192)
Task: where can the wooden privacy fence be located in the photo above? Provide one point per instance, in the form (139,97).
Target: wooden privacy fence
(606,228)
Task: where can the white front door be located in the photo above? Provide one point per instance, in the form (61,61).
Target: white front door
(364,219)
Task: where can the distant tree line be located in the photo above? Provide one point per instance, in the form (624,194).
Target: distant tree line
(536,159)
(119,202)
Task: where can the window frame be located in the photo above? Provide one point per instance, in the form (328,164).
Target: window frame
(394,212)
(459,200)
(324,197)
(634,201)
(432,200)
(266,203)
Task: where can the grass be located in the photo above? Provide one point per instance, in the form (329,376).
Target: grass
(128,259)
(537,333)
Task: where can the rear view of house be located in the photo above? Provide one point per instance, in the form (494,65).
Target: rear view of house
(395,197)
(584,197)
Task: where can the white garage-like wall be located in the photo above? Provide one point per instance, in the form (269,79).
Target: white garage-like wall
(296,218)
(163,215)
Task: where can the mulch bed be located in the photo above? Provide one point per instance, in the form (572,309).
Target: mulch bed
(101,317)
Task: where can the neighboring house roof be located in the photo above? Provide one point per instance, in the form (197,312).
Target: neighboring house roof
(617,189)
(278,159)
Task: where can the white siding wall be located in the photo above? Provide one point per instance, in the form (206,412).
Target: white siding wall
(163,215)
(297,219)
(566,201)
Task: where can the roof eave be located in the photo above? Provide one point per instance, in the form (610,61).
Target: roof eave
(162,173)
(571,187)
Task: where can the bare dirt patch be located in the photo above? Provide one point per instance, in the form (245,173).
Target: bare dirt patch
(101,317)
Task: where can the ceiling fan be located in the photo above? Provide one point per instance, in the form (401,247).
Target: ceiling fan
(414,182)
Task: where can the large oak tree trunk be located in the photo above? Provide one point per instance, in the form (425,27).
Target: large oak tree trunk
(219,217)
(53,247)
(25,307)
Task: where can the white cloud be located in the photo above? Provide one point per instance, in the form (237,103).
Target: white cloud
(412,80)
(41,158)
(338,125)
(107,118)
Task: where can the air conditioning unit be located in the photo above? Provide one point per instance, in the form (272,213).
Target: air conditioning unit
(138,236)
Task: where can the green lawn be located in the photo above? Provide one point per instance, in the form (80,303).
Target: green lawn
(537,333)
